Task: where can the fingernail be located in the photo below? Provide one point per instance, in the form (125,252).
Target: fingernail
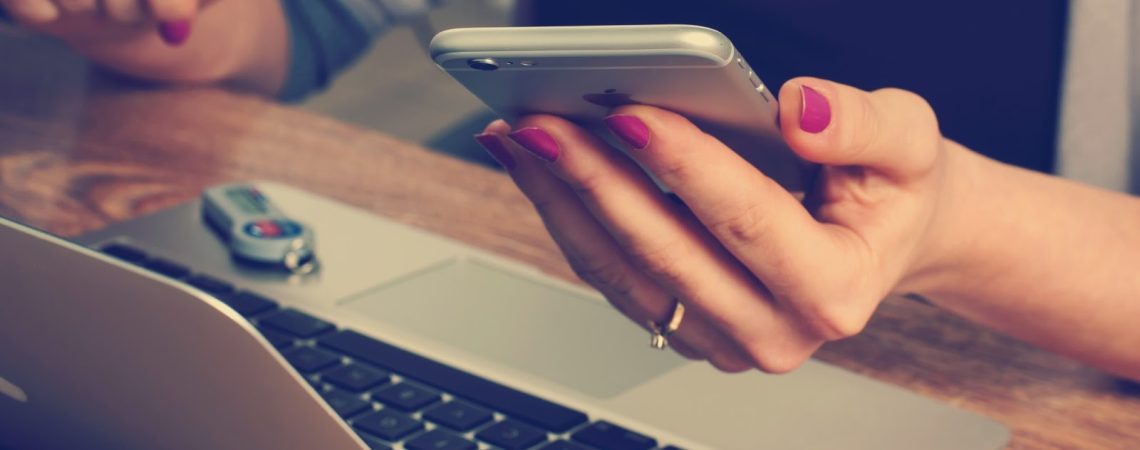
(175,33)
(495,147)
(629,129)
(538,142)
(815,113)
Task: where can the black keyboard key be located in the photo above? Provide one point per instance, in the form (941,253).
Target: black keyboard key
(438,439)
(607,436)
(388,424)
(210,284)
(126,253)
(345,404)
(373,443)
(405,397)
(308,360)
(278,339)
(564,445)
(458,416)
(168,268)
(548,415)
(512,435)
(247,303)
(296,323)
(355,377)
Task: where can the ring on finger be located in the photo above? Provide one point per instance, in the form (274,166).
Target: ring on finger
(659,332)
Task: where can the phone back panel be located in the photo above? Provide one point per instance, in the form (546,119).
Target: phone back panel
(582,73)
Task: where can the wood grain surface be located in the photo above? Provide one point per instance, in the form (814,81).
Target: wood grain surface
(90,151)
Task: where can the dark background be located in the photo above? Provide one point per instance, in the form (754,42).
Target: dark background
(991,68)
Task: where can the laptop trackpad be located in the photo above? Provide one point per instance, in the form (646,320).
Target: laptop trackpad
(527,325)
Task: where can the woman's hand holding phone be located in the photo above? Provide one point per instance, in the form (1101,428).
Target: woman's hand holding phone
(765,277)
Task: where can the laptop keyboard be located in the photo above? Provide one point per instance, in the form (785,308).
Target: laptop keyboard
(396,399)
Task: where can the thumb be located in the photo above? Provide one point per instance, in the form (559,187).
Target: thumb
(889,130)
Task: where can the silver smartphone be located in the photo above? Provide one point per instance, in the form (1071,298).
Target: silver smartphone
(582,73)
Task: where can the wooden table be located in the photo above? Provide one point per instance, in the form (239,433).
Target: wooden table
(74,159)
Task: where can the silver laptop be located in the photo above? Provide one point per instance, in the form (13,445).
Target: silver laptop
(147,335)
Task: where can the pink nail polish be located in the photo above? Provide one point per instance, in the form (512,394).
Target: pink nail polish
(815,113)
(175,33)
(495,147)
(630,129)
(537,142)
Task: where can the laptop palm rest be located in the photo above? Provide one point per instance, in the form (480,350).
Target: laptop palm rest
(506,322)
(521,323)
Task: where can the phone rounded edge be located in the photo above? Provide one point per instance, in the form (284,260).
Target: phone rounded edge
(693,40)
(441,44)
(710,42)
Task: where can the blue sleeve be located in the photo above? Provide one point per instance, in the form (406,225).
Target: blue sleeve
(326,36)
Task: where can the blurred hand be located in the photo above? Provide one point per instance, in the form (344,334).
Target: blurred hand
(105,20)
(766,278)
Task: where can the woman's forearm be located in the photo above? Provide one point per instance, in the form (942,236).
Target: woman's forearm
(1044,259)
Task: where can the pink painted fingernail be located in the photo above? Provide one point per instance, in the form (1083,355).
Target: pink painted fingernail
(630,129)
(815,113)
(494,145)
(538,142)
(175,33)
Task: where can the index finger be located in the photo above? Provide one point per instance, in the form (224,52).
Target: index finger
(35,12)
(666,243)
(173,10)
(757,220)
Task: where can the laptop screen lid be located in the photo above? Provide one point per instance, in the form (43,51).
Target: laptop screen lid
(98,354)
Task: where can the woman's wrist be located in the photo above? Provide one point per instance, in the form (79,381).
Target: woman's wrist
(1037,257)
(953,248)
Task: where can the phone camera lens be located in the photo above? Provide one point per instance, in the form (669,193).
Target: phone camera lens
(484,64)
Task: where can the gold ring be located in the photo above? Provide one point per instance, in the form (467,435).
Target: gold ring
(659,333)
